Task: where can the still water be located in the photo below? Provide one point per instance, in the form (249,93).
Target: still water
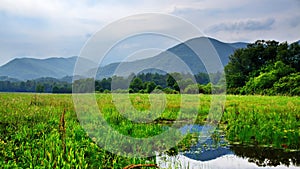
(218,154)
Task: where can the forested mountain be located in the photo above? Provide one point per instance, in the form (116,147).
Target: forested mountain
(238,45)
(29,68)
(166,59)
(6,78)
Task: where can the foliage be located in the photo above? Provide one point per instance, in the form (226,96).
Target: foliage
(288,85)
(40,88)
(136,85)
(268,76)
(257,68)
(142,83)
(47,86)
(192,89)
(150,86)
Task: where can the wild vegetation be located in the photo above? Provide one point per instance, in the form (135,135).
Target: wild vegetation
(42,130)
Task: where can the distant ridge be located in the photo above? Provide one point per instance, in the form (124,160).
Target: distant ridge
(63,68)
(30,68)
(238,45)
(6,78)
(165,59)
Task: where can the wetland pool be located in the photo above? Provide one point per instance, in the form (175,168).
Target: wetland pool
(217,153)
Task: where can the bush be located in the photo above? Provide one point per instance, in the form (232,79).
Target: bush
(264,82)
(288,85)
(207,88)
(170,91)
(106,91)
(192,89)
(120,91)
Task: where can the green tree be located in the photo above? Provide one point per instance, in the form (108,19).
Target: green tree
(184,83)
(119,83)
(56,89)
(136,85)
(268,76)
(168,90)
(288,85)
(192,89)
(294,56)
(106,84)
(150,86)
(202,78)
(245,63)
(40,88)
(172,79)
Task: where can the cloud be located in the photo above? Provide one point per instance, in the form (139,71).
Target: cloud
(248,25)
(294,21)
(56,27)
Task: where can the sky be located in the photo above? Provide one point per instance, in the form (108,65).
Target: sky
(60,28)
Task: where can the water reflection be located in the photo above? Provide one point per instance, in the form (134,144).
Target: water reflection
(264,156)
(207,148)
(215,152)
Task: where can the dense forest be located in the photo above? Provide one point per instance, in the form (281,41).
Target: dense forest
(264,67)
(153,82)
(43,85)
(141,83)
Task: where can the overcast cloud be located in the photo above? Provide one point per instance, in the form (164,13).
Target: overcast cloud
(244,25)
(42,29)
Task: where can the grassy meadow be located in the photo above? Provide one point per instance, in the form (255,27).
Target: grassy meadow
(43,131)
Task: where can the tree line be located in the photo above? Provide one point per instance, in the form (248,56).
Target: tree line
(142,83)
(46,86)
(170,83)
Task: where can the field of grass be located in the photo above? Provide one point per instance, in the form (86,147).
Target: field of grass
(43,131)
(263,120)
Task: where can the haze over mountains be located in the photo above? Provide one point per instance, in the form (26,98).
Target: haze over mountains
(28,68)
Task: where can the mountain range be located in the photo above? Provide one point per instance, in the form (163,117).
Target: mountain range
(187,56)
(63,68)
(30,68)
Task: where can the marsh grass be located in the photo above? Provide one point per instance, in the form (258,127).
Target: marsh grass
(263,120)
(32,137)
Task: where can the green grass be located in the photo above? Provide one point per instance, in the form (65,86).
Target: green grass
(263,120)
(32,134)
